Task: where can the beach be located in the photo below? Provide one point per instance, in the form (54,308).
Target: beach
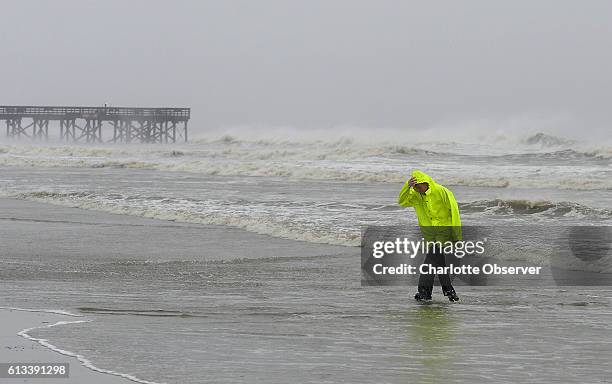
(245,307)
(17,349)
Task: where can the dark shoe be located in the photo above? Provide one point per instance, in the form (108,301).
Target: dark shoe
(422,296)
(452,295)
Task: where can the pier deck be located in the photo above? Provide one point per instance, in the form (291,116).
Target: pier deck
(97,124)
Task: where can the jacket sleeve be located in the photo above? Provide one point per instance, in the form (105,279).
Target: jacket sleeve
(455,218)
(406,196)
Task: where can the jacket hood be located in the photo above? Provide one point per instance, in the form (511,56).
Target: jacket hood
(422,177)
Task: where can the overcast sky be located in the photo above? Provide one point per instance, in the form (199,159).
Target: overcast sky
(314,63)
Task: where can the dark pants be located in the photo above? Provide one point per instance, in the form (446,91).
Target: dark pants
(436,259)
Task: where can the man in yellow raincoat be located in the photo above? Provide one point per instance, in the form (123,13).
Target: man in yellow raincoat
(438,215)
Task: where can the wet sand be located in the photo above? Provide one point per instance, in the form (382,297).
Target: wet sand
(17,349)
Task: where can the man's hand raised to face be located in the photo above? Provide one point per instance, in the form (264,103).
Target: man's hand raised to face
(412,182)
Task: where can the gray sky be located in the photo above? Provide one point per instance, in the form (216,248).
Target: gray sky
(316,63)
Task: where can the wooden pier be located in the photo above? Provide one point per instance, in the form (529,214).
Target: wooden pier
(97,124)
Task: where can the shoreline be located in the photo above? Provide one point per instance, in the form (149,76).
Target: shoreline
(25,217)
(46,236)
(270,308)
(20,347)
(145,216)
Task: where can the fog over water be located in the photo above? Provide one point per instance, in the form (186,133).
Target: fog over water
(520,65)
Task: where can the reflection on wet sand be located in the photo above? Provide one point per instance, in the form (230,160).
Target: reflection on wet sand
(431,330)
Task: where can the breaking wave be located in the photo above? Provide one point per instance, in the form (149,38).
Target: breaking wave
(540,207)
(302,221)
(208,212)
(334,161)
(546,140)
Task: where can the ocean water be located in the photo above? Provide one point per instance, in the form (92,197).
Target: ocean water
(320,191)
(178,301)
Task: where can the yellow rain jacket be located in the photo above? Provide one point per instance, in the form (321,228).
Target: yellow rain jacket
(437,209)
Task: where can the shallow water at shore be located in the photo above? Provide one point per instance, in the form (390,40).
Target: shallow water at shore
(267,309)
(322,211)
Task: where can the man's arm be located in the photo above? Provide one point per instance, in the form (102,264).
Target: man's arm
(407,194)
(455,218)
